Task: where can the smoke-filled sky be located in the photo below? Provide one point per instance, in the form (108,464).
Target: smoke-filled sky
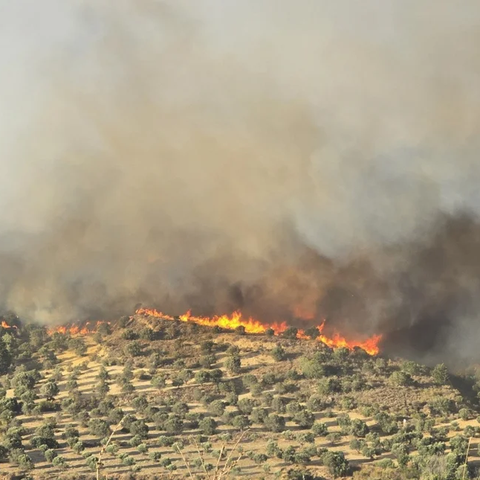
(302,159)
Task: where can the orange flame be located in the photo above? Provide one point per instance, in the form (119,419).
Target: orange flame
(4,324)
(86,329)
(251,325)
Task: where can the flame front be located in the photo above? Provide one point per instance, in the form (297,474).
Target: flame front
(231,322)
(76,329)
(235,320)
(4,324)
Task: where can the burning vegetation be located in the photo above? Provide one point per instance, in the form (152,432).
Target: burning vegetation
(87,328)
(250,325)
(234,321)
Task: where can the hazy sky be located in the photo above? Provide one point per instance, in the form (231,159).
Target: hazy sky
(263,155)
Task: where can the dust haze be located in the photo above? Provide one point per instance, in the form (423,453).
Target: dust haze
(295,160)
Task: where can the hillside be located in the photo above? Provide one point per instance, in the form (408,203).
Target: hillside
(148,398)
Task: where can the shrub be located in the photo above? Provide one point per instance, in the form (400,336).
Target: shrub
(341,354)
(400,379)
(241,422)
(334,438)
(202,376)
(133,349)
(142,448)
(412,368)
(359,428)
(312,332)
(207,347)
(233,365)
(440,374)
(158,381)
(49,390)
(128,460)
(216,408)
(98,427)
(294,407)
(315,403)
(20,458)
(50,455)
(258,415)
(246,405)
(304,419)
(320,429)
(59,462)
(78,447)
(459,444)
(135,441)
(129,334)
(278,353)
(174,424)
(327,386)
(464,413)
(336,463)
(140,428)
(155,456)
(279,404)
(140,403)
(387,424)
(275,423)
(290,333)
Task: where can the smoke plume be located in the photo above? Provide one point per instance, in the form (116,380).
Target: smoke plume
(296,160)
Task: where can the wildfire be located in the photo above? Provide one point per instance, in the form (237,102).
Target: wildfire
(4,324)
(85,329)
(251,325)
(230,322)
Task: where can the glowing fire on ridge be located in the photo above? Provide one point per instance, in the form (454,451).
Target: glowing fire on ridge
(251,325)
(76,329)
(230,322)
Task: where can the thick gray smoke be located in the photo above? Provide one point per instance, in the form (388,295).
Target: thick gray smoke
(300,159)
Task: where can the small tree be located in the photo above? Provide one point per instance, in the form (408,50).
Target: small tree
(98,427)
(241,421)
(140,428)
(174,424)
(337,464)
(49,390)
(304,419)
(207,426)
(320,429)
(217,408)
(358,428)
(275,423)
(50,455)
(246,405)
(59,462)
